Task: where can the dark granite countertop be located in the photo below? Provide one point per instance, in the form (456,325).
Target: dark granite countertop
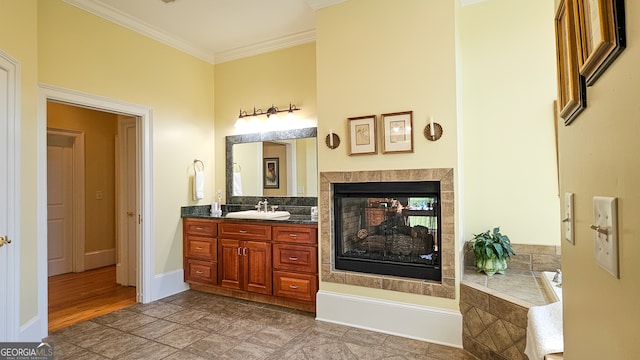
(203,212)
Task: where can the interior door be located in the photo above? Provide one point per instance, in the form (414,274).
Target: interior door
(128,210)
(60,203)
(9,198)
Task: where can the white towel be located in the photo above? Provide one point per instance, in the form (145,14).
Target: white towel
(544,331)
(198,185)
(237,184)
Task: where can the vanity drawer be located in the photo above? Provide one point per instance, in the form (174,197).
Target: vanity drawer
(204,272)
(295,257)
(249,231)
(202,248)
(200,227)
(295,234)
(295,286)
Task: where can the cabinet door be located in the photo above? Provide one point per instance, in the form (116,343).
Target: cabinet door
(295,258)
(230,264)
(257,267)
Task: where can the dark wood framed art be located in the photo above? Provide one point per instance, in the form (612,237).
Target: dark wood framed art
(271,169)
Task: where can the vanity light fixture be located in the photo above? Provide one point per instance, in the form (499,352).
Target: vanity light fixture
(270,111)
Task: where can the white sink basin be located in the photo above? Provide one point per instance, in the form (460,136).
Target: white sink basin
(254,214)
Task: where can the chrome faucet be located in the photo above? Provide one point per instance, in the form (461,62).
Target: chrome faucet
(263,206)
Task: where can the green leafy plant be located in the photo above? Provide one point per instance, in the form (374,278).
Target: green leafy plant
(491,249)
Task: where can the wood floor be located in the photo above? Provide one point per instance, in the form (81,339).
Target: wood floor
(77,297)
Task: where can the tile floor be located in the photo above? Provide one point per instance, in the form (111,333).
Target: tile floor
(194,325)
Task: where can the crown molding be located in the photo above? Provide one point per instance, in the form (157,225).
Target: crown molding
(319,4)
(266,46)
(107,12)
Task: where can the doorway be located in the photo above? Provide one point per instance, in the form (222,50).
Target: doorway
(144,157)
(85,230)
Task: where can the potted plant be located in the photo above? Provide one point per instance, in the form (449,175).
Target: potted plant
(491,249)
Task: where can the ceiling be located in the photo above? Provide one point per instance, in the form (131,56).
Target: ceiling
(215,30)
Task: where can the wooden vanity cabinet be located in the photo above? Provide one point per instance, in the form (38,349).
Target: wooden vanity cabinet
(295,262)
(275,263)
(245,264)
(200,251)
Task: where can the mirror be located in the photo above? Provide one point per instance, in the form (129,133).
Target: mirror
(290,160)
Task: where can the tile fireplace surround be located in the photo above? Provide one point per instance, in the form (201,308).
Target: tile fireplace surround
(445,288)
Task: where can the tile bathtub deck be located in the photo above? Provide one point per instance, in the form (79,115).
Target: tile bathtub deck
(521,284)
(194,325)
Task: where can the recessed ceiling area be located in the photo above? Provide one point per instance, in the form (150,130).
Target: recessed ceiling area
(215,30)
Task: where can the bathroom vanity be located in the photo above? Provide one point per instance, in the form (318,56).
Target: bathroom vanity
(269,261)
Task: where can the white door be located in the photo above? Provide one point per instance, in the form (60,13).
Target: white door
(8,206)
(129,210)
(60,203)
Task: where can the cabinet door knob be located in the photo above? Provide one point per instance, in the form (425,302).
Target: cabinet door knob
(199,228)
(244,252)
(293,286)
(239,251)
(293,235)
(199,272)
(293,258)
(242,231)
(198,248)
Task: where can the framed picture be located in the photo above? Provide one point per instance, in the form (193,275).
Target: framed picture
(572,94)
(271,178)
(362,135)
(397,132)
(602,35)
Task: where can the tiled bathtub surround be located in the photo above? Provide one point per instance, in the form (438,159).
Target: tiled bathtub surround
(445,288)
(528,257)
(493,328)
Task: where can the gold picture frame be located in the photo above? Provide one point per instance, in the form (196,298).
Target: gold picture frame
(602,35)
(572,95)
(362,135)
(397,132)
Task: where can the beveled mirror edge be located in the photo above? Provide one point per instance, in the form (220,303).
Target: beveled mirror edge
(264,136)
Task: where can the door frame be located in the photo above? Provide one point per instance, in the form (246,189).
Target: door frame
(78,200)
(144,117)
(11,310)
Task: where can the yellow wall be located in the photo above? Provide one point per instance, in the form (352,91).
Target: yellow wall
(379,56)
(83,52)
(599,157)
(508,75)
(274,78)
(19,39)
(99,129)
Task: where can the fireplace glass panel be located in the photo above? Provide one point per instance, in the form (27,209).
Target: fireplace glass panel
(388,228)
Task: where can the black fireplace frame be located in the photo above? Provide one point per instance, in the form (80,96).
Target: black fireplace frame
(399,189)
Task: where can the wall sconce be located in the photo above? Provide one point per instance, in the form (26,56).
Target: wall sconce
(332,140)
(433,131)
(270,111)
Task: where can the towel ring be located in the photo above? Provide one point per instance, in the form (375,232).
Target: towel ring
(195,163)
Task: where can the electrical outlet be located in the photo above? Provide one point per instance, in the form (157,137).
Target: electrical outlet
(567,219)
(605,233)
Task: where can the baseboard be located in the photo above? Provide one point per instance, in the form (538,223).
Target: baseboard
(424,323)
(100,258)
(31,331)
(168,284)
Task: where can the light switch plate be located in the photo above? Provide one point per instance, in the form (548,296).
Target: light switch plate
(567,217)
(605,217)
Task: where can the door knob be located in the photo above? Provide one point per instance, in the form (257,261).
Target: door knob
(129,213)
(4,240)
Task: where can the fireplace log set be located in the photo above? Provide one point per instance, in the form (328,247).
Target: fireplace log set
(392,240)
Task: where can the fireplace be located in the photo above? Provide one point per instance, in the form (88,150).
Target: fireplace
(388,228)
